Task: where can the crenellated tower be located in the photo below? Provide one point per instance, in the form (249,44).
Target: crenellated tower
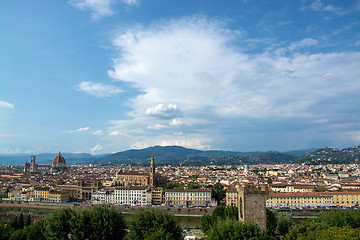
(152,171)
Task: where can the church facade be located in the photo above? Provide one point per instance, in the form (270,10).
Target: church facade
(151,179)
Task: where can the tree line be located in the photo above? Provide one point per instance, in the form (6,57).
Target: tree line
(105,222)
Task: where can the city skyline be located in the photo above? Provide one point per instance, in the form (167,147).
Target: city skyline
(106,76)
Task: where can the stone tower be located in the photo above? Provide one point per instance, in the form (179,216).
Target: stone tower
(33,167)
(252,204)
(152,172)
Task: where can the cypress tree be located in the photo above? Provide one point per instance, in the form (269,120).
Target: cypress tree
(28,221)
(21,221)
(14,223)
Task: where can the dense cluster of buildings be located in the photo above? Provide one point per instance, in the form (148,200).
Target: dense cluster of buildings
(289,185)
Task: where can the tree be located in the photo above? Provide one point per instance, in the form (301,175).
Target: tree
(232,212)
(235,230)
(150,223)
(284,222)
(303,229)
(271,222)
(269,181)
(106,223)
(5,230)
(206,223)
(21,223)
(219,212)
(58,224)
(341,219)
(28,221)
(218,192)
(345,233)
(14,223)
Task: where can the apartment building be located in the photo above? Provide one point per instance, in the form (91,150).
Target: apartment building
(135,195)
(158,196)
(102,197)
(188,197)
(232,197)
(313,199)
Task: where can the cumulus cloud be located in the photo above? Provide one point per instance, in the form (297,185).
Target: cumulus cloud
(117,133)
(131,2)
(101,8)
(98,8)
(163,111)
(96,148)
(98,89)
(319,6)
(176,122)
(4,104)
(192,64)
(98,133)
(84,129)
(157,126)
(306,42)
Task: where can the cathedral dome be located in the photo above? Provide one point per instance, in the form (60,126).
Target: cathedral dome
(59,160)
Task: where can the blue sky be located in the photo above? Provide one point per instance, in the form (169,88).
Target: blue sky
(102,76)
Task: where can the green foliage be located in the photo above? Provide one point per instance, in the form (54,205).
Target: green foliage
(101,222)
(28,221)
(206,223)
(193,185)
(219,212)
(19,234)
(58,224)
(304,228)
(152,223)
(335,225)
(341,218)
(14,223)
(235,230)
(218,192)
(5,229)
(345,233)
(271,222)
(171,185)
(232,212)
(284,222)
(21,223)
(269,181)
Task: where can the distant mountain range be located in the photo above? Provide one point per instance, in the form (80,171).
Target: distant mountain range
(179,155)
(46,158)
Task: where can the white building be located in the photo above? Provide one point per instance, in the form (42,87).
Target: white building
(135,195)
(102,197)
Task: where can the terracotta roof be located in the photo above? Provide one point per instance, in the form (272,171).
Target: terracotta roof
(58,159)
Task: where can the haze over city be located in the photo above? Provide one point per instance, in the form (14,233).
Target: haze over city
(102,76)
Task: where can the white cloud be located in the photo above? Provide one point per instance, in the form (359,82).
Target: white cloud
(306,42)
(95,149)
(98,89)
(4,104)
(318,6)
(101,8)
(157,126)
(176,122)
(98,133)
(131,2)
(84,129)
(117,133)
(163,111)
(98,8)
(192,64)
